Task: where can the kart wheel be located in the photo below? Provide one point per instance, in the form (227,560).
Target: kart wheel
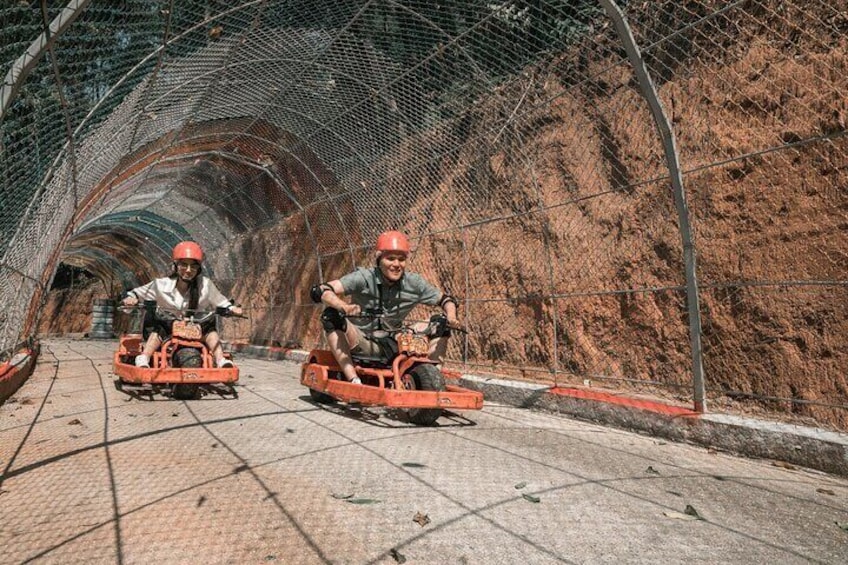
(426,377)
(320,397)
(185,392)
(188,357)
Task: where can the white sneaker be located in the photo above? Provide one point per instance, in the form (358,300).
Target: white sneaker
(225,363)
(142,361)
(355,381)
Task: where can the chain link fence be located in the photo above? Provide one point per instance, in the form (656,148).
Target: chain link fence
(648,195)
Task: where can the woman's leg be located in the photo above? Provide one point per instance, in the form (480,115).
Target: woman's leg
(213,342)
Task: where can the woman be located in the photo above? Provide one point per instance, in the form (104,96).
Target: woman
(185,289)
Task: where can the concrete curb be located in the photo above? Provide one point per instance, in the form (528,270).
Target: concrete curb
(799,445)
(803,446)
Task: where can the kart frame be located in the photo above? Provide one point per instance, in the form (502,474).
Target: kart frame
(389,390)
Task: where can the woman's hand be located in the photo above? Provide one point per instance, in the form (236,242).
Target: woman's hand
(130,300)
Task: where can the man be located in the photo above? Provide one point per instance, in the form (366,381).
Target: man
(185,289)
(386,288)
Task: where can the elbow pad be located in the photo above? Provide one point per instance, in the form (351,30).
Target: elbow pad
(318,290)
(448,298)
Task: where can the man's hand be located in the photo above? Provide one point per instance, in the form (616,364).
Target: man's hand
(352,309)
(454,324)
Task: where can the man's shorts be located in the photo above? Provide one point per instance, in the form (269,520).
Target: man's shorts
(366,347)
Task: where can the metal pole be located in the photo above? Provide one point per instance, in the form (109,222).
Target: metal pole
(646,85)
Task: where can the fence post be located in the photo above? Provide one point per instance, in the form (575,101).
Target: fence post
(646,85)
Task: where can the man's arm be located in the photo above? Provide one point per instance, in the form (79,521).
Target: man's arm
(449,305)
(330,295)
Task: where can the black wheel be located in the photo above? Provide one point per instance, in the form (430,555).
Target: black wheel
(426,377)
(185,392)
(186,358)
(320,397)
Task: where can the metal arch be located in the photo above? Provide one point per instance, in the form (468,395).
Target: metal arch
(25,63)
(161,232)
(649,91)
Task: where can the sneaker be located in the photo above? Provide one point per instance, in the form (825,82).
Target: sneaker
(142,361)
(355,381)
(225,363)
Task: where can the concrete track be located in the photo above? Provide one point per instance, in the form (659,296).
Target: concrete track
(95,474)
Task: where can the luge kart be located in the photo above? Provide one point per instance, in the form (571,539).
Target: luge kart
(183,362)
(404,377)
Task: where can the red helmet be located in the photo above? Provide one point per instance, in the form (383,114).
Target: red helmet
(392,241)
(187,250)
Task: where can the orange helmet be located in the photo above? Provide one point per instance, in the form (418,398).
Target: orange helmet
(392,241)
(187,250)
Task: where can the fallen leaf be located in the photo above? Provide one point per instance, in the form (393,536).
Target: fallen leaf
(826,491)
(200,501)
(422,519)
(363,501)
(783,464)
(75,422)
(520,485)
(652,470)
(674,492)
(719,478)
(341,496)
(690,510)
(842,525)
(413,465)
(27,401)
(531,498)
(397,555)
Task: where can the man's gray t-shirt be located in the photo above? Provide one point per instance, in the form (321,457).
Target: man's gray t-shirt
(363,287)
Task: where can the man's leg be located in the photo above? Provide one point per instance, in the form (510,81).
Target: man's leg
(438,348)
(341,342)
(438,345)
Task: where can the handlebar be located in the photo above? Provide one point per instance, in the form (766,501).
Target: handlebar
(196,315)
(436,325)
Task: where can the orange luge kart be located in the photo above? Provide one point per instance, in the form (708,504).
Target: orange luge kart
(403,377)
(183,361)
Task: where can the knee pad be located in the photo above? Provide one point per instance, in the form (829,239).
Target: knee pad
(332,320)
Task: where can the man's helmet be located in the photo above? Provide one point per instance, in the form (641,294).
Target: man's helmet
(392,241)
(187,250)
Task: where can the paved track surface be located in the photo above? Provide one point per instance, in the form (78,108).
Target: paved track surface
(94,474)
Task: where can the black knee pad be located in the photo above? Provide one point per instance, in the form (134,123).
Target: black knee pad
(332,320)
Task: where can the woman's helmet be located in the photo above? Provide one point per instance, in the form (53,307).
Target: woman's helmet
(392,241)
(187,250)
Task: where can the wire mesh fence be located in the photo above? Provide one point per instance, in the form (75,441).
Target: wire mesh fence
(514,141)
